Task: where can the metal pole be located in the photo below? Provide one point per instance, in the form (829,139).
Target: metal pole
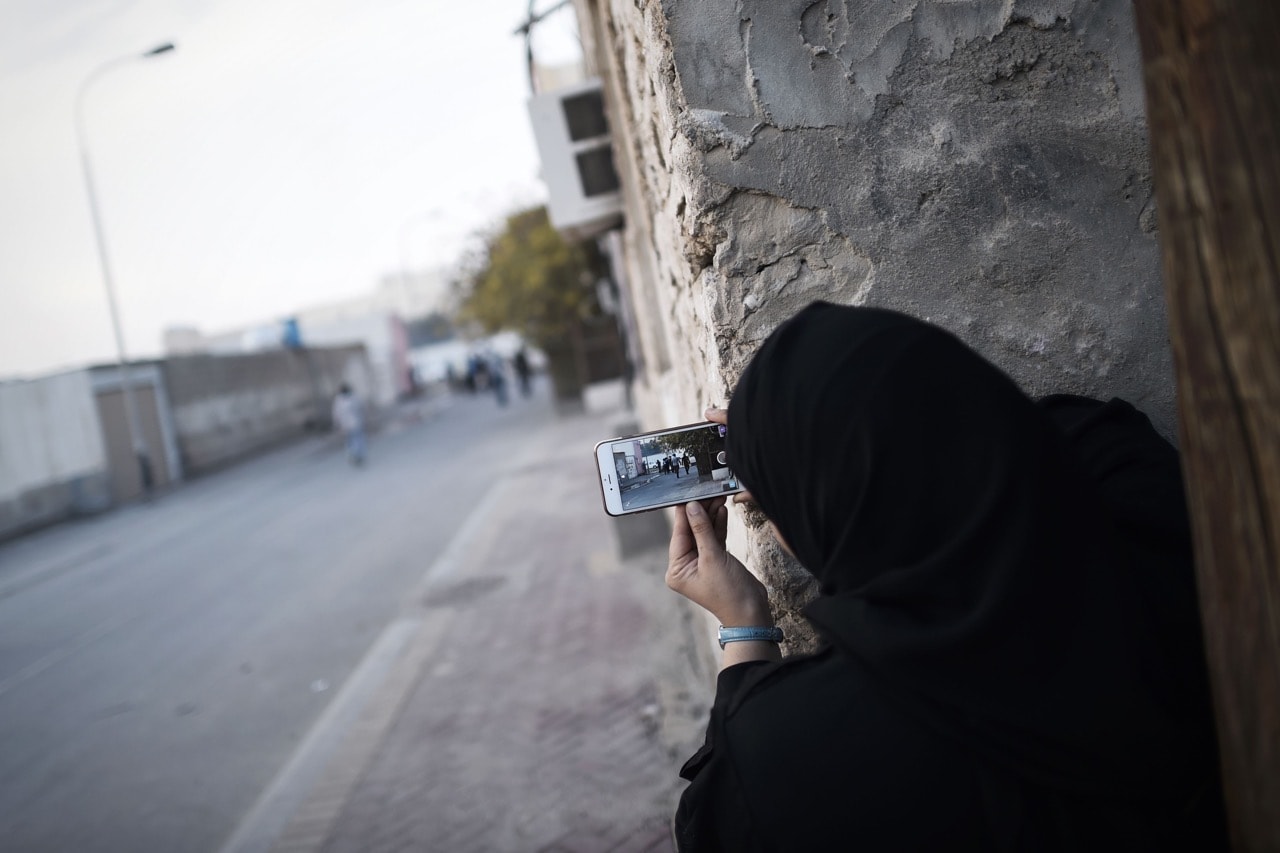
(133,419)
(526,29)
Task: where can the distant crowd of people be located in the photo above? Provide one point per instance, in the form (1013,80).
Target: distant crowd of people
(487,371)
(674,463)
(484,371)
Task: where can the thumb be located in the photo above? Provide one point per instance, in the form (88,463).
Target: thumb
(704,531)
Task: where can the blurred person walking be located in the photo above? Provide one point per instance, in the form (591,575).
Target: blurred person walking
(348,416)
(523,371)
(477,374)
(498,378)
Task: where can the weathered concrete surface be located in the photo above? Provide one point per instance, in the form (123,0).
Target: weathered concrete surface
(980,164)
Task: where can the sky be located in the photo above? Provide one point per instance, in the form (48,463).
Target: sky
(288,153)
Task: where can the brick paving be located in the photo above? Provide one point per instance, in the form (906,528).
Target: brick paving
(555,702)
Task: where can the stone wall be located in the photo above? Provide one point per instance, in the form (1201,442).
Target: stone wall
(226,407)
(978,163)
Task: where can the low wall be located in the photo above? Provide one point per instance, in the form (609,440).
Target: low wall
(53,464)
(227,407)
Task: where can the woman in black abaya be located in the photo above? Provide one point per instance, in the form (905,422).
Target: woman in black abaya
(1011,655)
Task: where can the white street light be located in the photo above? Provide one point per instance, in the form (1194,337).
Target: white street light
(133,419)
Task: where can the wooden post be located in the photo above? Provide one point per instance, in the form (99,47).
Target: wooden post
(1212,73)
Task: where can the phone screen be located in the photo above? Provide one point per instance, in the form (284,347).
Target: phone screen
(664,468)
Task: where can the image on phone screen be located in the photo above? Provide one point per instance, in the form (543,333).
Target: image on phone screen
(664,468)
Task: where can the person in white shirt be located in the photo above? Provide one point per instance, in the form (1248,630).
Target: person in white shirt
(348,417)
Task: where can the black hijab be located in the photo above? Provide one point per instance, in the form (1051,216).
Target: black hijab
(969,560)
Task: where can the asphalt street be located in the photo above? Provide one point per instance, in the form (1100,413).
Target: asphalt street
(659,488)
(163,667)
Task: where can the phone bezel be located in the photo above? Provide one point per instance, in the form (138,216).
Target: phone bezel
(606,476)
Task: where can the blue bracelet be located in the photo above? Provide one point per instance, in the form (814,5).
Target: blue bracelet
(757,633)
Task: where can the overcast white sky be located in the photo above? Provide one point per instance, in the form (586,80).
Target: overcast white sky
(269,163)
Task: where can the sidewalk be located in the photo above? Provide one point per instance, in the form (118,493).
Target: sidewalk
(538,693)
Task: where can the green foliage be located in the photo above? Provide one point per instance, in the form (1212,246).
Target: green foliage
(529,279)
(702,445)
(695,443)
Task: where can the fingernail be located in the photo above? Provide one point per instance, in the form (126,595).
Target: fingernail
(693,508)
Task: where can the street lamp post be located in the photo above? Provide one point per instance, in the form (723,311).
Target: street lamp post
(132,418)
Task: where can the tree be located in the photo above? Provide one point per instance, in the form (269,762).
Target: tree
(528,278)
(702,445)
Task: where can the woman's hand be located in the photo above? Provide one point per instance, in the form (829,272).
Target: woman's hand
(700,569)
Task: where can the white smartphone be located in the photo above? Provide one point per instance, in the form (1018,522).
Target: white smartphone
(664,468)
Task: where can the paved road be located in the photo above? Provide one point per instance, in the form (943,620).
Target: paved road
(160,664)
(662,488)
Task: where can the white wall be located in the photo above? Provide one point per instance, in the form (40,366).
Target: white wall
(49,433)
(377,332)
